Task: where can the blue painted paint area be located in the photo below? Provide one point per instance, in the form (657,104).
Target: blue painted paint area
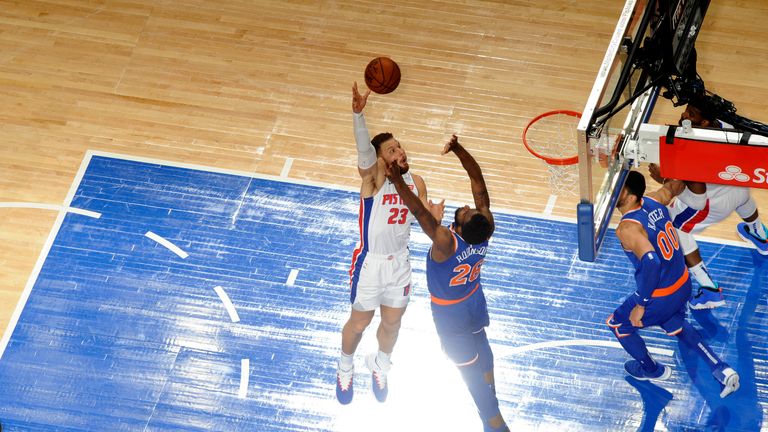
(121,334)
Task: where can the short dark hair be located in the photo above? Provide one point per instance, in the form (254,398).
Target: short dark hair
(635,184)
(707,113)
(380,138)
(476,230)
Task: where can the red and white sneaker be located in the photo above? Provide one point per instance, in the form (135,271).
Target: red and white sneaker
(344,385)
(378,377)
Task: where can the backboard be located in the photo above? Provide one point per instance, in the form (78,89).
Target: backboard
(652,45)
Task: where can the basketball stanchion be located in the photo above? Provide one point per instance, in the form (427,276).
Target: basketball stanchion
(551,137)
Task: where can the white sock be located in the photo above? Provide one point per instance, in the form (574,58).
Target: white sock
(346,361)
(384,359)
(757,227)
(702,275)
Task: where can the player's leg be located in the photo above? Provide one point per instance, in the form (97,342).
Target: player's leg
(365,296)
(351,334)
(752,230)
(454,327)
(389,329)
(393,305)
(380,362)
(478,309)
(688,335)
(485,363)
(709,294)
(643,367)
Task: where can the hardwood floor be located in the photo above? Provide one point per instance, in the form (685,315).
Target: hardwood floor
(246,85)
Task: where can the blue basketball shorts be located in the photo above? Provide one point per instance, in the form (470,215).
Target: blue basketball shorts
(666,312)
(457,325)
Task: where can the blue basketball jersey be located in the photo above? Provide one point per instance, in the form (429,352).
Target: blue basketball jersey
(458,277)
(654,217)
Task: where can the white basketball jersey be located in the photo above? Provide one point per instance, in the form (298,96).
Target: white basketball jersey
(385,221)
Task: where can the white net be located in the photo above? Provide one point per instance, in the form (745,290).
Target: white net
(552,138)
(564,179)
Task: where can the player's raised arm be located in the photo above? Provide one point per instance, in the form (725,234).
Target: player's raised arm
(366,154)
(442,240)
(479,190)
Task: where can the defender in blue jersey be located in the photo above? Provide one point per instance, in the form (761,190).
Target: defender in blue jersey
(663,284)
(454,263)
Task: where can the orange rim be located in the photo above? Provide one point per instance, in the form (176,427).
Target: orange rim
(550,160)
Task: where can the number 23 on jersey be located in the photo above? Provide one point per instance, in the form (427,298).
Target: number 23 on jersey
(397,216)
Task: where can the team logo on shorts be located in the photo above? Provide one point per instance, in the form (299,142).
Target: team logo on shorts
(407,290)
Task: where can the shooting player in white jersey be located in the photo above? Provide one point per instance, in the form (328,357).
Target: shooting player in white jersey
(380,275)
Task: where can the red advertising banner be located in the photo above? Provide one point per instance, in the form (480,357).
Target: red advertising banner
(714,162)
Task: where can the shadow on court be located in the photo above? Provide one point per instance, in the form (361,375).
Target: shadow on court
(740,411)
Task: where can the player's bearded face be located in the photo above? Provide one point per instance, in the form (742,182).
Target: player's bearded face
(392,152)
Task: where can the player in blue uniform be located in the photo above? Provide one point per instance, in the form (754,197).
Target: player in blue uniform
(453,276)
(663,284)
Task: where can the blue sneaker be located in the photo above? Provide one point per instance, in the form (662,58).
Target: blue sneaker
(378,377)
(728,378)
(634,368)
(344,385)
(749,236)
(707,298)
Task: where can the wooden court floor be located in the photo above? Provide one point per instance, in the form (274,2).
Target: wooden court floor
(264,87)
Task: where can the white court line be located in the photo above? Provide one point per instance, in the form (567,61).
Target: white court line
(286,168)
(245,370)
(227,304)
(172,247)
(504,351)
(550,205)
(292,277)
(14,320)
(42,206)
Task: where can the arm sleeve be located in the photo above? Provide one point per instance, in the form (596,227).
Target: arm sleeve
(647,276)
(366,154)
(693,200)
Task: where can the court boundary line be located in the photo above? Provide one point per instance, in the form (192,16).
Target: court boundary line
(43,255)
(44,206)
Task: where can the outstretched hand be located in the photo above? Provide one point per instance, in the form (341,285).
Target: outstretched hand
(358,100)
(655,173)
(437,210)
(451,145)
(392,171)
(636,316)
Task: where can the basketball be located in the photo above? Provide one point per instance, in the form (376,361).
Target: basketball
(382,75)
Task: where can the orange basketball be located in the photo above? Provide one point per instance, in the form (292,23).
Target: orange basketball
(382,75)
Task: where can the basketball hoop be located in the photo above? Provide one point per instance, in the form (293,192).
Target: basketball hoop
(551,137)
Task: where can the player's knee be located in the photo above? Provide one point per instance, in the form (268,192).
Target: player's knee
(390,326)
(358,324)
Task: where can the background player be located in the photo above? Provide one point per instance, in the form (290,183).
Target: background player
(709,204)
(380,276)
(663,285)
(458,304)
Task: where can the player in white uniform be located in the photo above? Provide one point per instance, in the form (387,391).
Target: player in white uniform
(380,275)
(706,204)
